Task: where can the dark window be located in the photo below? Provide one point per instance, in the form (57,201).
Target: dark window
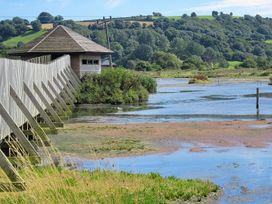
(90,62)
(84,61)
(96,61)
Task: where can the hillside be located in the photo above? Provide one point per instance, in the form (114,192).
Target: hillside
(155,42)
(24,38)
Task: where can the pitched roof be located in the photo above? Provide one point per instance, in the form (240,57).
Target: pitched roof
(62,40)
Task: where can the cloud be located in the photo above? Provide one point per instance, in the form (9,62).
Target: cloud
(252,6)
(114,3)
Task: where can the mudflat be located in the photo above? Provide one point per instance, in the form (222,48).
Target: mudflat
(135,139)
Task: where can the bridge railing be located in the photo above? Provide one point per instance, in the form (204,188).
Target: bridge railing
(17,74)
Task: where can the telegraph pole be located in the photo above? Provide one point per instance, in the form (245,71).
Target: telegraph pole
(108,38)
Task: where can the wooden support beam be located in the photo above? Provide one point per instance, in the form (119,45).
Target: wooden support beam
(39,107)
(69,83)
(66,88)
(19,134)
(71,79)
(59,98)
(66,97)
(74,74)
(11,172)
(29,117)
(57,105)
(49,108)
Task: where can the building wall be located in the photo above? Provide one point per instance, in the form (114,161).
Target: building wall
(75,63)
(90,64)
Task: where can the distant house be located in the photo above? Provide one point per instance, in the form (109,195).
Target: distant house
(85,54)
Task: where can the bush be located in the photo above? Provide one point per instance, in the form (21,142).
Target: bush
(116,86)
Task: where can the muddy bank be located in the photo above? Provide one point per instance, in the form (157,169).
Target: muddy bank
(110,140)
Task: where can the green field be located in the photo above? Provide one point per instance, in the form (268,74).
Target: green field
(25,38)
(268,41)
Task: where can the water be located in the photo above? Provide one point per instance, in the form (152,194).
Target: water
(176,101)
(244,174)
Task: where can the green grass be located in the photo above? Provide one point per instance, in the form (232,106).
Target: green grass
(54,185)
(268,41)
(234,64)
(25,38)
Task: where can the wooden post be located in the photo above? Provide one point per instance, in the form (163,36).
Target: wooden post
(53,113)
(108,40)
(39,108)
(55,102)
(258,103)
(29,117)
(66,88)
(19,134)
(63,92)
(59,98)
(11,172)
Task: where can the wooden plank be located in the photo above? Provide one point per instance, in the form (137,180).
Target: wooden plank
(46,103)
(59,98)
(59,108)
(39,107)
(63,92)
(11,172)
(29,117)
(66,88)
(19,134)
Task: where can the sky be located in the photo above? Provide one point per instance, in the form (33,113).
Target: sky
(93,9)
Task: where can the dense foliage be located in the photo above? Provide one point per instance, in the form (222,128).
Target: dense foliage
(116,86)
(155,42)
(199,42)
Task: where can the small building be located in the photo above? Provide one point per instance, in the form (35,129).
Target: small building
(86,55)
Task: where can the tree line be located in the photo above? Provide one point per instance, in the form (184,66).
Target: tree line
(185,42)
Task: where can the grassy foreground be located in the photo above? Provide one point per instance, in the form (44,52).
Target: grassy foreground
(52,185)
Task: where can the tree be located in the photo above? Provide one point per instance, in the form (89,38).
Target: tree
(215,13)
(45,17)
(143,52)
(36,25)
(158,14)
(58,19)
(166,60)
(262,62)
(249,62)
(193,14)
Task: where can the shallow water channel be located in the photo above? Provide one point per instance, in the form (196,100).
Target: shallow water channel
(176,101)
(244,173)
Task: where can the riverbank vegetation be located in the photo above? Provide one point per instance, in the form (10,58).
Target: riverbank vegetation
(246,73)
(56,185)
(116,86)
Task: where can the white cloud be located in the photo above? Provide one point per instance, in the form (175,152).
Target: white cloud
(114,3)
(252,6)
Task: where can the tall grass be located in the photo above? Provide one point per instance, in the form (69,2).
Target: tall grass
(52,184)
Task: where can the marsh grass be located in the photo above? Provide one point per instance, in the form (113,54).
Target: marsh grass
(56,185)
(247,73)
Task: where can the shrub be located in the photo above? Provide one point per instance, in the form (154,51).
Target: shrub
(116,86)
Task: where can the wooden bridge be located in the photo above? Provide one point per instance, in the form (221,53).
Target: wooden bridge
(32,95)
